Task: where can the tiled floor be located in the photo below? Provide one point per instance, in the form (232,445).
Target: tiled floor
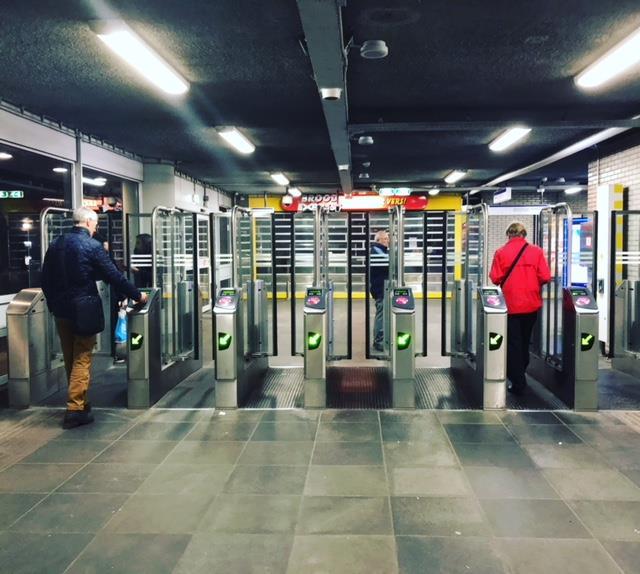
(310,492)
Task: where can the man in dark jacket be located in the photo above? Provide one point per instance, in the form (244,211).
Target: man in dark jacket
(378,274)
(72,265)
(521,290)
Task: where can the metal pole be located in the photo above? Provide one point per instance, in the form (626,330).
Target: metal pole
(367,295)
(44,235)
(425,286)
(443,284)
(400,230)
(274,286)
(392,248)
(317,245)
(77,187)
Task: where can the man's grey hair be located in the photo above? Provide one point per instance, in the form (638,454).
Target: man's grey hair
(380,234)
(82,214)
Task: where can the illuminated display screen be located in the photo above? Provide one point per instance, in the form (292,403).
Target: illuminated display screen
(227,292)
(490,291)
(578,292)
(401,292)
(314,292)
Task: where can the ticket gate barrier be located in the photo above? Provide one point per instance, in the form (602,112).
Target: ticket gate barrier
(316,331)
(575,379)
(236,370)
(486,369)
(144,365)
(402,365)
(31,378)
(624,342)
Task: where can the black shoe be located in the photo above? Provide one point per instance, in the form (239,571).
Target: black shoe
(74,419)
(87,407)
(516,390)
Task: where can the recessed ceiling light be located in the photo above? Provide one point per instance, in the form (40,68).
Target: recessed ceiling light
(508,138)
(616,61)
(374,49)
(126,44)
(330,94)
(343,166)
(5,155)
(294,192)
(573,190)
(435,191)
(365,140)
(455,175)
(280,178)
(60,169)
(363,175)
(238,140)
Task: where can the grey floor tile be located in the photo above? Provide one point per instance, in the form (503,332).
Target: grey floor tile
(110,553)
(352,554)
(71,513)
(236,553)
(527,556)
(290,416)
(108,478)
(25,553)
(222,430)
(565,456)
(179,415)
(249,479)
(603,438)
(344,515)
(422,555)
(496,482)
(354,453)
(633,475)
(252,514)
(158,431)
(530,417)
(438,517)
(346,481)
(206,452)
(67,451)
(500,455)
(159,514)
(416,417)
(478,433)
(191,479)
(598,419)
(348,432)
(296,431)
(35,477)
(625,458)
(626,554)
(592,484)
(349,416)
(544,434)
(239,415)
(413,432)
(428,481)
(436,453)
(277,453)
(12,506)
(468,417)
(98,430)
(610,520)
(533,519)
(137,451)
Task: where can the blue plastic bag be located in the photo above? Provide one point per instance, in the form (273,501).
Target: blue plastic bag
(121,327)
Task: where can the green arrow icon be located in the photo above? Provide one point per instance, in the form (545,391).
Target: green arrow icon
(403,341)
(136,341)
(586,341)
(495,341)
(313,340)
(224,341)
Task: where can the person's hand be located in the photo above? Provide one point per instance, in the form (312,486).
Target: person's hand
(143,299)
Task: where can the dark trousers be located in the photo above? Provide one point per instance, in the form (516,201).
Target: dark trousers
(519,329)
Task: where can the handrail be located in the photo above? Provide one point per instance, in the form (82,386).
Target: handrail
(43,230)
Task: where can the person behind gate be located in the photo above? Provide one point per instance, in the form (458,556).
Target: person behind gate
(378,273)
(72,265)
(521,270)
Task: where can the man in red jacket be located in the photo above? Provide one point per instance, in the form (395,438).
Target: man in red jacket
(521,270)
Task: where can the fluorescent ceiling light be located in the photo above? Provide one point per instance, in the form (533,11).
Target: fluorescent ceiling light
(98,182)
(615,62)
(280,178)
(126,44)
(53,200)
(343,166)
(455,175)
(294,192)
(474,191)
(573,190)
(238,140)
(60,169)
(508,138)
(5,155)
(435,191)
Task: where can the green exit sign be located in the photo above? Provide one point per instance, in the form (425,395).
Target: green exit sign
(15,194)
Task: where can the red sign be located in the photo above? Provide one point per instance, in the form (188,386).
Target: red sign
(354,202)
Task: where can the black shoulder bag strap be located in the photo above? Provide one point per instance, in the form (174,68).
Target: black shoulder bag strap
(515,262)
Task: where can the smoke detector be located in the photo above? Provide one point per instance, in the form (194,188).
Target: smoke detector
(374,49)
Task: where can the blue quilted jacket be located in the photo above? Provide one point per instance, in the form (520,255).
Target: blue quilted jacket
(85,262)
